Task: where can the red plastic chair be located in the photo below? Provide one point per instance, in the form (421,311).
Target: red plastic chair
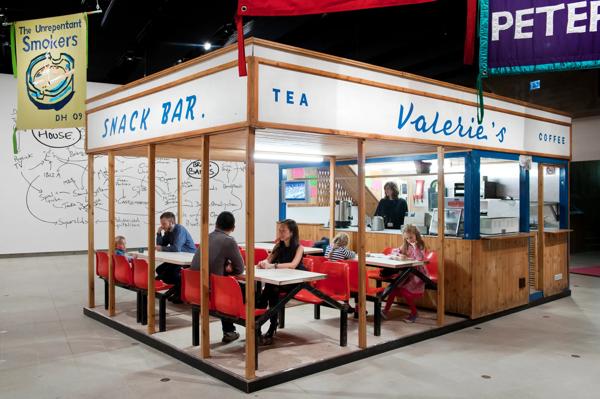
(226,297)
(140,282)
(371,294)
(123,271)
(307,243)
(308,264)
(260,254)
(102,264)
(196,245)
(432,269)
(243,253)
(336,285)
(353,278)
(388,250)
(317,260)
(102,272)
(190,286)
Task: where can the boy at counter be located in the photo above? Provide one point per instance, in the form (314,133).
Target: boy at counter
(339,250)
(413,287)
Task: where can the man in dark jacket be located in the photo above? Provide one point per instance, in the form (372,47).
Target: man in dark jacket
(225,259)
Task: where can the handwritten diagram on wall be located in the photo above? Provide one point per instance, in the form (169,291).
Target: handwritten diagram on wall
(51,171)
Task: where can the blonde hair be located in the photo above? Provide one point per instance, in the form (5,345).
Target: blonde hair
(412,229)
(120,240)
(341,239)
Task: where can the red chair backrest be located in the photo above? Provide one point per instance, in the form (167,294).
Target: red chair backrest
(102,264)
(337,281)
(353,274)
(190,286)
(140,273)
(388,250)
(317,260)
(308,264)
(226,296)
(196,245)
(123,271)
(243,253)
(432,265)
(260,254)
(307,243)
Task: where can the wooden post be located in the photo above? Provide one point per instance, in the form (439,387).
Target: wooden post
(111,233)
(250,322)
(331,199)
(151,235)
(91,274)
(540,229)
(362,273)
(441,300)
(179,193)
(204,267)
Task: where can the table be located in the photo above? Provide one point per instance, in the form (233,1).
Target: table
(268,246)
(405,268)
(176,258)
(284,276)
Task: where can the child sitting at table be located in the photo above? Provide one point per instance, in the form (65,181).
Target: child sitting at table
(338,250)
(121,247)
(413,287)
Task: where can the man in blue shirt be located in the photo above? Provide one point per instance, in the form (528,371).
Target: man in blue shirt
(172,237)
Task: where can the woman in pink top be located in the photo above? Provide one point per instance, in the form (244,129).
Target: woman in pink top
(413,287)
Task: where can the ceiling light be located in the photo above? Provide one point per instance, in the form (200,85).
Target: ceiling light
(207,46)
(280,156)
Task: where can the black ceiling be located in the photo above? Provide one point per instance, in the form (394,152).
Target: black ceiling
(133,38)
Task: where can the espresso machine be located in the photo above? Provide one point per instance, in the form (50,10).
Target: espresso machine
(343,214)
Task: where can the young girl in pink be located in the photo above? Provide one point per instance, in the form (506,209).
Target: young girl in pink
(413,287)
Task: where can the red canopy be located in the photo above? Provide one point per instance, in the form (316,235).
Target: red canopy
(301,7)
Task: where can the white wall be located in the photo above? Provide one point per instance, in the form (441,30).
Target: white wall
(43,202)
(586,139)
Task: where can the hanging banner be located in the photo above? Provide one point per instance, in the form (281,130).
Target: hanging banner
(51,72)
(272,8)
(538,35)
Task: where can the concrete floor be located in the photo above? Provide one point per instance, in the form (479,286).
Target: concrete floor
(48,349)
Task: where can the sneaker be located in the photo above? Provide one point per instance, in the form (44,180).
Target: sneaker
(230,337)
(411,318)
(384,315)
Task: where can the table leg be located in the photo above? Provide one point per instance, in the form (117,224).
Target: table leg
(195,326)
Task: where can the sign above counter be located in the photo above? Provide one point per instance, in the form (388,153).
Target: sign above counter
(312,102)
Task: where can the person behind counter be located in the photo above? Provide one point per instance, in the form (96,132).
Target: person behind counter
(392,208)
(286,254)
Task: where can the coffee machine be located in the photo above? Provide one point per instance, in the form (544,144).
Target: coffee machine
(343,214)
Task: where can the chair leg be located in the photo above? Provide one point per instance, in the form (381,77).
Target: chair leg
(138,303)
(344,327)
(282,317)
(106,294)
(377,317)
(317,312)
(195,326)
(256,340)
(144,310)
(162,313)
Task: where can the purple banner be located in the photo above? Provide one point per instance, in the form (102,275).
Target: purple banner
(530,35)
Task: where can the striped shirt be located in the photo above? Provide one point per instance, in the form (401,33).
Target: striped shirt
(339,253)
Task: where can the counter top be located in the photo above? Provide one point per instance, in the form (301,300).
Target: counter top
(507,236)
(555,231)
(354,229)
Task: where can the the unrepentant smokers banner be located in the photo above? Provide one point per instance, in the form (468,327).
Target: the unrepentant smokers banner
(538,35)
(51,55)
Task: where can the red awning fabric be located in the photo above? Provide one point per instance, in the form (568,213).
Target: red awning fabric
(301,7)
(469,51)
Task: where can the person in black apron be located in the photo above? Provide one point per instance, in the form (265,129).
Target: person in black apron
(392,208)
(286,254)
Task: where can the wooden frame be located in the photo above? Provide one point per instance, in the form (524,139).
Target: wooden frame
(249,125)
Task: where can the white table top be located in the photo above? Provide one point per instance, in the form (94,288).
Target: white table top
(269,246)
(284,276)
(177,258)
(381,260)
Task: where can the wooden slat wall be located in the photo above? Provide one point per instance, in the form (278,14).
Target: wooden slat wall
(497,267)
(555,262)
